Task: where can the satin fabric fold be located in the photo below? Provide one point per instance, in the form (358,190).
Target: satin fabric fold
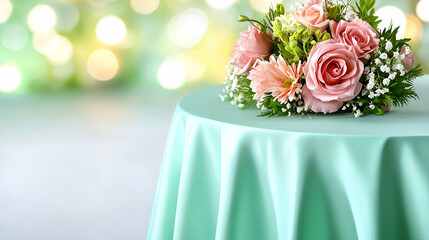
(226,181)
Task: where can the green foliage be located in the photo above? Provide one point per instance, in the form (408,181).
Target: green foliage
(273,13)
(297,46)
(272,107)
(365,10)
(262,26)
(337,11)
(401,90)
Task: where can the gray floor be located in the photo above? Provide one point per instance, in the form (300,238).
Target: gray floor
(80,166)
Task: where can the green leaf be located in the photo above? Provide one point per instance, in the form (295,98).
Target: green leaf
(379,111)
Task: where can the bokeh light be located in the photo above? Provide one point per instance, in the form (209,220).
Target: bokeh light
(194,63)
(144,6)
(263,5)
(111,30)
(42,18)
(422,10)
(10,78)
(5,10)
(14,37)
(62,52)
(102,65)
(220,4)
(392,15)
(45,42)
(171,74)
(188,28)
(414,29)
(69,16)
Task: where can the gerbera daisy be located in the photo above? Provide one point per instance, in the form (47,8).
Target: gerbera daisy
(277,78)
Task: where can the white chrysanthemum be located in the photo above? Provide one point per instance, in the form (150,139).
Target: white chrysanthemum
(288,22)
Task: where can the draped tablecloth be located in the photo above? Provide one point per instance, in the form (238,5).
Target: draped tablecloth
(227,174)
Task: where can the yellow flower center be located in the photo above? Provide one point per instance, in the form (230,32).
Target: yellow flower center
(288,82)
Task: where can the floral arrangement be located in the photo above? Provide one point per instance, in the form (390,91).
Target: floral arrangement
(321,57)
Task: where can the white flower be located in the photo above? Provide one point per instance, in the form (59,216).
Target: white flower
(284,110)
(377,61)
(344,108)
(370,85)
(372,106)
(407,50)
(288,22)
(299,109)
(396,55)
(240,105)
(288,106)
(402,73)
(385,68)
(366,70)
(383,56)
(386,81)
(358,113)
(392,75)
(389,46)
(367,57)
(371,95)
(399,66)
(385,90)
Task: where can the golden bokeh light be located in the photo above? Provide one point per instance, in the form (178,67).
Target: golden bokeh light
(144,6)
(111,30)
(422,10)
(62,52)
(5,10)
(392,15)
(45,42)
(263,5)
(42,18)
(414,29)
(102,65)
(195,65)
(10,78)
(220,4)
(188,28)
(171,74)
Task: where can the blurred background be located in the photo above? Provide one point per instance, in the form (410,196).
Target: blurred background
(87,92)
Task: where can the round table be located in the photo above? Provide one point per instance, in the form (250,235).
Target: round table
(228,174)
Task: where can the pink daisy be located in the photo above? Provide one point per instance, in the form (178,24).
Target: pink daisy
(277,78)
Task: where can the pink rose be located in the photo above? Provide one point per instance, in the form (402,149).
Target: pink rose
(358,34)
(312,15)
(332,76)
(409,58)
(251,46)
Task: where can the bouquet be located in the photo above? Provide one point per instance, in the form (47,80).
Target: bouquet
(321,57)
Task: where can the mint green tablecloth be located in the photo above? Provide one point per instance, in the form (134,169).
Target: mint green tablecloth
(228,174)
